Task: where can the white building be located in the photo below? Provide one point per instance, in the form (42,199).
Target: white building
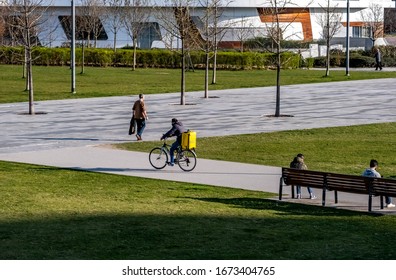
(240,18)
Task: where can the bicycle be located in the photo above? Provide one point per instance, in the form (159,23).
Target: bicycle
(185,158)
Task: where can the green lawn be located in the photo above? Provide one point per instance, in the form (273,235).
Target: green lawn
(51,213)
(54,82)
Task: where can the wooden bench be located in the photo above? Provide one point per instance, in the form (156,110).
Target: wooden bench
(327,181)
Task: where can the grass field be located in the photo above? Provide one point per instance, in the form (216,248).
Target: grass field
(47,213)
(51,83)
(50,213)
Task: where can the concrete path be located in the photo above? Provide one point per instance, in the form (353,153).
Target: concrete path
(72,133)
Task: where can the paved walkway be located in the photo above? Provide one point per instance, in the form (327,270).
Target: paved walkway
(71,133)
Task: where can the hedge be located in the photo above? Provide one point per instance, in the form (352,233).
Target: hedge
(157,58)
(359,58)
(148,58)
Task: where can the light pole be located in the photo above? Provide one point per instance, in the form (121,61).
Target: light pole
(347,41)
(73,48)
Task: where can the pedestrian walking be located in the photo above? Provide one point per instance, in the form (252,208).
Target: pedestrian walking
(378,59)
(139,115)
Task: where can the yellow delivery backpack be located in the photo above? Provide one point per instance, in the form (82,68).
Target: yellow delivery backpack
(189,140)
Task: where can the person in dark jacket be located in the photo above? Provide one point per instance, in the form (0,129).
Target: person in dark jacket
(176,130)
(378,59)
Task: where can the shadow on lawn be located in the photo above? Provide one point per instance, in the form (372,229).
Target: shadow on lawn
(301,232)
(285,208)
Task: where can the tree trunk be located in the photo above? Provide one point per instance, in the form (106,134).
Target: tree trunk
(183,75)
(328,57)
(278,69)
(83,58)
(207,75)
(134,54)
(214,66)
(30,82)
(279,61)
(115,42)
(25,69)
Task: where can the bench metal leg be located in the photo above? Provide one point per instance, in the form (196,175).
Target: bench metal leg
(323,197)
(280,188)
(292,191)
(382,201)
(370,202)
(335,197)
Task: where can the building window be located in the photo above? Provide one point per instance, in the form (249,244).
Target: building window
(150,32)
(86,28)
(361,31)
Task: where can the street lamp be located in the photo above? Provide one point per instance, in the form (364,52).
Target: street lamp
(347,41)
(73,48)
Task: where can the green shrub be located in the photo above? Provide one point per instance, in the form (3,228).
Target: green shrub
(11,55)
(307,62)
(358,60)
(98,57)
(172,59)
(319,61)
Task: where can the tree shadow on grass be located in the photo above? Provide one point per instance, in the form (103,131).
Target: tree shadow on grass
(194,237)
(285,208)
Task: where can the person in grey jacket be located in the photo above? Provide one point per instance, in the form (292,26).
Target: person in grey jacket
(372,172)
(176,130)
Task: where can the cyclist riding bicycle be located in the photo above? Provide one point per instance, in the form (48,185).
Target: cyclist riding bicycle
(176,130)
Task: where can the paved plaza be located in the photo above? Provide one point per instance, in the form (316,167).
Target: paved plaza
(73,133)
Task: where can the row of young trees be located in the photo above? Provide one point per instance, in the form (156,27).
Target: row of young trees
(23,20)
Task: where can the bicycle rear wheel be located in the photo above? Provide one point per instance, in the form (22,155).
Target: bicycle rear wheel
(187,160)
(158,158)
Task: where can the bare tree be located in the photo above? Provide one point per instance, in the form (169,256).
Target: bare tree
(330,20)
(243,31)
(177,23)
(136,20)
(209,33)
(92,12)
(373,19)
(89,25)
(115,18)
(215,30)
(276,30)
(390,21)
(25,17)
(2,23)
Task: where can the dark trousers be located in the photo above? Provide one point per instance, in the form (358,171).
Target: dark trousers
(378,65)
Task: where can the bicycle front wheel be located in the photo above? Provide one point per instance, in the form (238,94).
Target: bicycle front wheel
(187,160)
(158,158)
